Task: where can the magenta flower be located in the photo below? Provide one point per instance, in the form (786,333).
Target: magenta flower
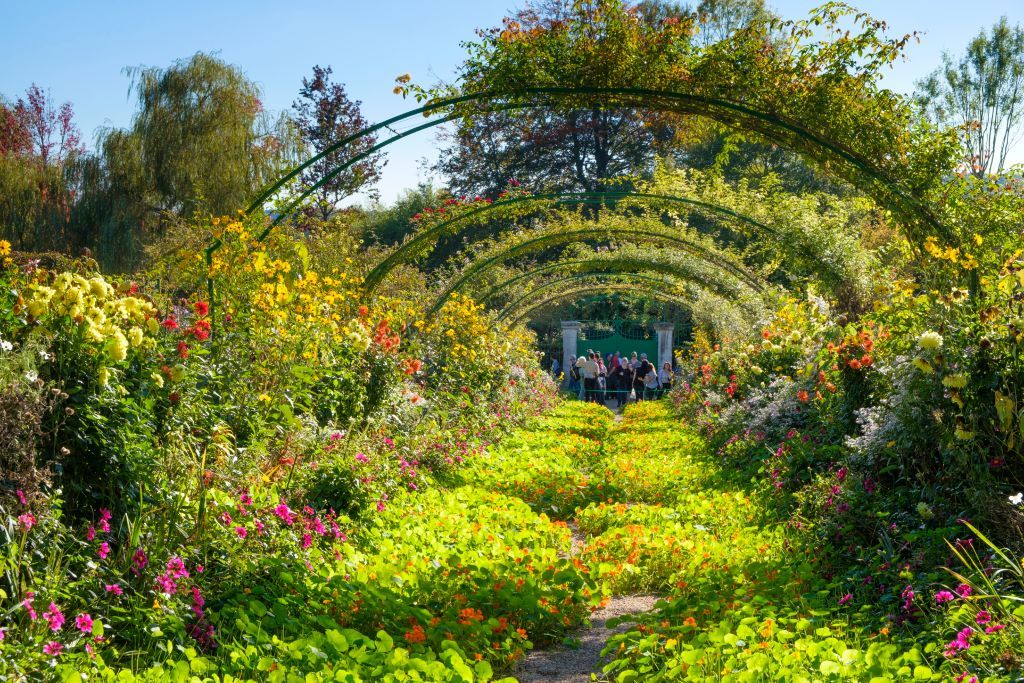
(176,566)
(21,497)
(245,499)
(961,643)
(943,596)
(994,628)
(241,531)
(982,618)
(2,634)
(104,550)
(165,582)
(260,527)
(104,520)
(285,514)
(362,457)
(380,506)
(90,533)
(27,520)
(53,648)
(225,518)
(54,617)
(963,590)
(846,598)
(140,560)
(27,604)
(114,588)
(84,623)
(307,541)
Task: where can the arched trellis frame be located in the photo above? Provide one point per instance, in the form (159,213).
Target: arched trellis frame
(595,232)
(781,130)
(629,264)
(678,286)
(408,250)
(510,317)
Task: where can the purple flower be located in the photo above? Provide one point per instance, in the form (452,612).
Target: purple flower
(84,623)
(943,596)
(846,598)
(53,648)
(241,531)
(963,590)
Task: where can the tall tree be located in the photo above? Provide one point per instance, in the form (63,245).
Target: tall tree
(582,149)
(325,115)
(52,131)
(39,149)
(983,91)
(200,143)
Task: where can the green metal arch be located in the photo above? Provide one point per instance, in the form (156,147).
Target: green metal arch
(409,249)
(632,262)
(584,233)
(661,295)
(632,277)
(724,111)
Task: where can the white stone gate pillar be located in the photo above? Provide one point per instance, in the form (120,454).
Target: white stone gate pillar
(570,333)
(666,332)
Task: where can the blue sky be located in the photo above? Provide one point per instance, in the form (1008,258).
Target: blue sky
(78,49)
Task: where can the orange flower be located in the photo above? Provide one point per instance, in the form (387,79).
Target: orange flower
(690,621)
(363,311)
(802,396)
(854,364)
(416,635)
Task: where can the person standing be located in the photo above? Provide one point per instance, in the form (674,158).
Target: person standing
(555,367)
(651,383)
(665,378)
(642,369)
(581,376)
(602,380)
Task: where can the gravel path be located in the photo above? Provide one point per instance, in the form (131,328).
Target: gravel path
(575,665)
(567,665)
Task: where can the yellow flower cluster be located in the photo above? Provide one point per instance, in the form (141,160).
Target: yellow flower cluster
(114,324)
(951,254)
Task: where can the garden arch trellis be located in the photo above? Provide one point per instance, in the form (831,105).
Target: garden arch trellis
(621,264)
(409,249)
(668,296)
(915,217)
(554,239)
(632,278)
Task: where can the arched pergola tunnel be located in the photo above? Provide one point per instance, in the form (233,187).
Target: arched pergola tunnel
(915,215)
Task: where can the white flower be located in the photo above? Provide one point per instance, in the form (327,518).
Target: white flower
(31,376)
(1016,499)
(930,341)
(5,345)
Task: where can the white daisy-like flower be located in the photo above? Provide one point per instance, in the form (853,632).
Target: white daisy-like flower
(1016,499)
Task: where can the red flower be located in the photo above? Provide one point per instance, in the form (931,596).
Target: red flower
(183,349)
(202,308)
(170,323)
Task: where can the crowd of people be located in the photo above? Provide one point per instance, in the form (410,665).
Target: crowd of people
(619,378)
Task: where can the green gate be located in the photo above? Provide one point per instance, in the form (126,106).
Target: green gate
(624,337)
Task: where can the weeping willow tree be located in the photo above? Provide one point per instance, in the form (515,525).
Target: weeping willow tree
(200,143)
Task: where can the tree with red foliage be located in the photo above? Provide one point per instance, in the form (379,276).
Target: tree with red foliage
(325,115)
(53,135)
